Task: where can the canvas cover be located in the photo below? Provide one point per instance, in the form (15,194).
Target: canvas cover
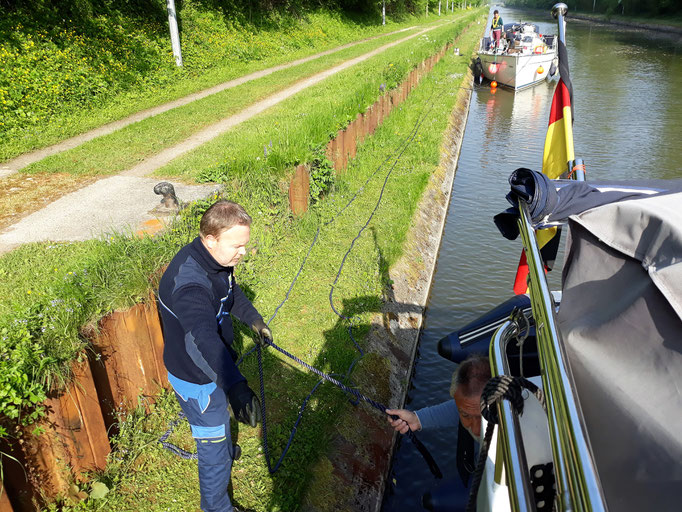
(621,322)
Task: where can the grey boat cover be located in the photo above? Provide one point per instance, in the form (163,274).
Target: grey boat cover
(621,323)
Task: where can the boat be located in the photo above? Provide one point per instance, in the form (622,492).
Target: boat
(606,351)
(524,58)
(597,364)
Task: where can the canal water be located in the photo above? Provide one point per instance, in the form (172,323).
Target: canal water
(628,115)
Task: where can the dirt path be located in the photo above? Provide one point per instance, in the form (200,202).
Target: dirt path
(102,202)
(18,163)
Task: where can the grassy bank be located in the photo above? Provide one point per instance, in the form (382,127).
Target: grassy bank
(145,478)
(124,148)
(60,76)
(276,140)
(66,171)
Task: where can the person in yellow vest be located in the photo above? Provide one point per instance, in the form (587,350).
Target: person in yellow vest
(496,29)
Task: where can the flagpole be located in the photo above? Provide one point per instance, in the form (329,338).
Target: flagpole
(558,12)
(576,168)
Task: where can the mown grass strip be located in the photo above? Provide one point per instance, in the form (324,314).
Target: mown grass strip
(146,478)
(297,129)
(124,148)
(63,78)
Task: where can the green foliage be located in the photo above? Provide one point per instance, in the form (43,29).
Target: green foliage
(23,359)
(322,175)
(69,66)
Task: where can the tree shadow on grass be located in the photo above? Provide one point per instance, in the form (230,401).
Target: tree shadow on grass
(358,450)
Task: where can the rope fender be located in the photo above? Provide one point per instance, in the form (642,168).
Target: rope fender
(502,387)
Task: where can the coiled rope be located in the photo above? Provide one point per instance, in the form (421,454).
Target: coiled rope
(503,387)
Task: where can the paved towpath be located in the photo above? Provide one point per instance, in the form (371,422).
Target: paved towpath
(127,200)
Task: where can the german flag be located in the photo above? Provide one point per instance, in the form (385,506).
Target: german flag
(559,139)
(557,153)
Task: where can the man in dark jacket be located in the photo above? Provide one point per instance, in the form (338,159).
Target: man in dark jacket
(199,296)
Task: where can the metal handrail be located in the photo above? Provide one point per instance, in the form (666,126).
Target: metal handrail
(577,481)
(521,496)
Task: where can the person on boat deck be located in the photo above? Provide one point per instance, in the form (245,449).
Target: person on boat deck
(468,382)
(199,296)
(496,28)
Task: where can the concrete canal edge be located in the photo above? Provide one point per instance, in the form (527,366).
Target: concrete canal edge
(359,460)
(624,23)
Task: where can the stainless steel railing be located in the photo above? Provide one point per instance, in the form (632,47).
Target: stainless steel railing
(577,481)
(509,429)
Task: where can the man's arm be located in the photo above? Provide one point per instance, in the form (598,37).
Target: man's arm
(193,308)
(242,307)
(443,415)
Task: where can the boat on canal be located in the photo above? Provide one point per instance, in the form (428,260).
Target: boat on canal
(524,58)
(585,402)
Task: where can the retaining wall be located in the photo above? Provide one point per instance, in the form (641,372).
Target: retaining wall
(343,147)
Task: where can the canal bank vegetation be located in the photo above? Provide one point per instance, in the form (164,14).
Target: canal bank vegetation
(661,11)
(73,65)
(323,109)
(50,291)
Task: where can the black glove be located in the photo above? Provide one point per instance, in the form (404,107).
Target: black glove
(245,404)
(264,334)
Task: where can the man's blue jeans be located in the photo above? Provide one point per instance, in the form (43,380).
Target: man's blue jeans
(210,423)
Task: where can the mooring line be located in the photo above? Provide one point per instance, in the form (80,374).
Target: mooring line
(402,147)
(359,396)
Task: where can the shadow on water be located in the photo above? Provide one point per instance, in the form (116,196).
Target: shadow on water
(626,121)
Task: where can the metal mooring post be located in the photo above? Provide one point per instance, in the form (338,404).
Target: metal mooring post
(175,36)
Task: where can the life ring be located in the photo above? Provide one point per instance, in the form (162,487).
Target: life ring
(539,49)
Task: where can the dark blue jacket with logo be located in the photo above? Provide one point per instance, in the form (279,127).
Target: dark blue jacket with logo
(198,296)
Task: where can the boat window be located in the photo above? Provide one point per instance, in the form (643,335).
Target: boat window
(528,39)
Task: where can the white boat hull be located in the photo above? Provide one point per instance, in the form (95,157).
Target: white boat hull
(516,71)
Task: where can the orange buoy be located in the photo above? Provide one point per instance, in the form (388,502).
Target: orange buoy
(493,84)
(540,70)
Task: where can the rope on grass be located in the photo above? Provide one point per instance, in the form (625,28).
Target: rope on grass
(353,392)
(170,446)
(397,154)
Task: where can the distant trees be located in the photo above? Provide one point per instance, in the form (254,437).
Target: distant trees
(81,9)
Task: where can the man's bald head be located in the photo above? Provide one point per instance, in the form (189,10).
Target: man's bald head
(471,376)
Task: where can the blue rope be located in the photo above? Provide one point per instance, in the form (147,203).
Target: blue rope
(404,144)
